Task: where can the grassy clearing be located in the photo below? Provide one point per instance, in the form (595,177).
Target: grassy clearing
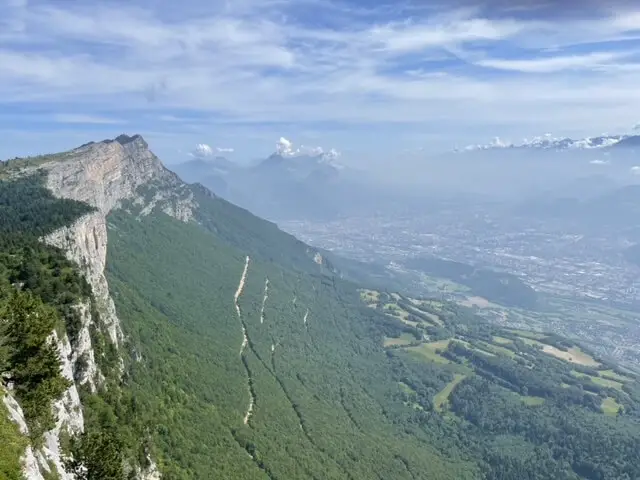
(404,339)
(605,382)
(483,348)
(502,340)
(573,355)
(532,342)
(527,334)
(428,351)
(610,406)
(611,375)
(442,397)
(433,318)
(395,311)
(497,349)
(369,296)
(476,301)
(437,284)
(532,401)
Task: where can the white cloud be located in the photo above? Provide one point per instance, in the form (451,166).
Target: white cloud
(407,37)
(171,118)
(204,64)
(286,148)
(202,150)
(225,149)
(635,170)
(554,64)
(85,118)
(599,162)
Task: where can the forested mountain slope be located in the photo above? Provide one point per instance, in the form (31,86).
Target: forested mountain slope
(223,347)
(292,384)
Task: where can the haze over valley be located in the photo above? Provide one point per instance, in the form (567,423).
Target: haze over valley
(274,240)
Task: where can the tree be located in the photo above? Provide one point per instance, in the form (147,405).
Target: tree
(96,455)
(33,359)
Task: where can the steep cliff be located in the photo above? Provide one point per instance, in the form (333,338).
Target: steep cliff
(122,175)
(102,175)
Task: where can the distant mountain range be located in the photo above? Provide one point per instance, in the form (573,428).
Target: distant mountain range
(614,209)
(292,183)
(309,183)
(548,142)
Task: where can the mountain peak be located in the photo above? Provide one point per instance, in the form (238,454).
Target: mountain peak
(549,142)
(124,139)
(286,149)
(104,173)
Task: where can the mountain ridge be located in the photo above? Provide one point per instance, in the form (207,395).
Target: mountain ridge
(106,175)
(548,142)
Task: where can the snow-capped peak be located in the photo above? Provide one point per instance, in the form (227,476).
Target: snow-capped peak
(286,149)
(547,141)
(203,150)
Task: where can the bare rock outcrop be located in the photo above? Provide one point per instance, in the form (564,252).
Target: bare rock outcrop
(104,175)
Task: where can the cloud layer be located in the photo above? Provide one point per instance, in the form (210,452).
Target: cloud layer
(286,148)
(337,71)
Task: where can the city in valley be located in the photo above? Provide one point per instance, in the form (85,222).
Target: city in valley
(586,286)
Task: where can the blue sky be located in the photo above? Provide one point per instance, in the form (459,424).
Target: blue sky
(375,81)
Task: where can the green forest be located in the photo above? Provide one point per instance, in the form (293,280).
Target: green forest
(295,373)
(39,289)
(498,287)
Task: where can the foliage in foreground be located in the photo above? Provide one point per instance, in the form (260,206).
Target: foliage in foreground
(39,291)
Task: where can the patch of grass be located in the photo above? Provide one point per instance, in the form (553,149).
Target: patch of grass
(611,375)
(441,398)
(397,312)
(573,355)
(498,350)
(428,351)
(610,406)
(404,339)
(605,382)
(532,401)
(484,349)
(527,334)
(369,296)
(502,340)
(476,301)
(434,319)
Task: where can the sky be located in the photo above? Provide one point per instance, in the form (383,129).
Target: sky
(376,81)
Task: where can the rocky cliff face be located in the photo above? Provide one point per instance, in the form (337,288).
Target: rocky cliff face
(104,175)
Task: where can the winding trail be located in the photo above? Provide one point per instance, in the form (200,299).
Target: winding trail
(240,288)
(306,316)
(264,299)
(245,340)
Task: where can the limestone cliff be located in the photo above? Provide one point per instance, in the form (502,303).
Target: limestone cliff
(103,175)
